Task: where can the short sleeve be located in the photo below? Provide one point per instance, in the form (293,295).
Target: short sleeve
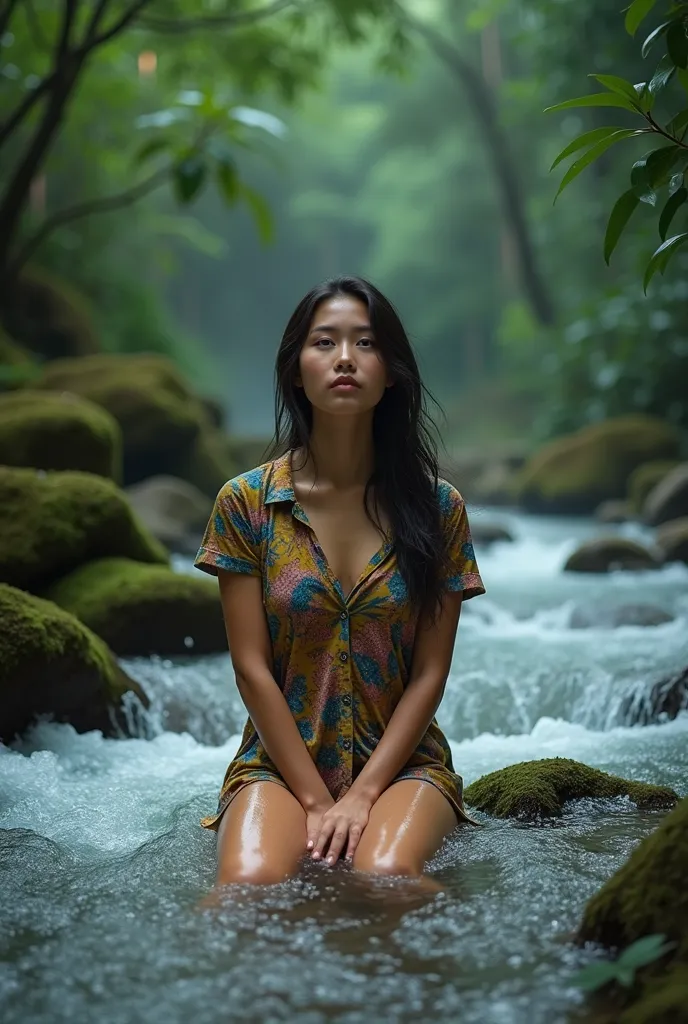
(461,572)
(232,537)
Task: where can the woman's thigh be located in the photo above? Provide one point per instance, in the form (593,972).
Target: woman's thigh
(262,835)
(406,827)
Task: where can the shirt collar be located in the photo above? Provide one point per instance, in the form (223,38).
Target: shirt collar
(280,485)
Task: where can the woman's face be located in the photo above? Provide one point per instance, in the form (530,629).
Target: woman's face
(340,342)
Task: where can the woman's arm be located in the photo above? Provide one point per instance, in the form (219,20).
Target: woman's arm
(432,655)
(251,654)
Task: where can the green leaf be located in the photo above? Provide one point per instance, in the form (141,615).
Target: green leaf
(659,163)
(592,154)
(151,148)
(663,73)
(661,256)
(228,179)
(617,85)
(189,176)
(618,219)
(683,79)
(587,138)
(261,212)
(638,10)
(654,36)
(594,976)
(677,43)
(678,123)
(625,975)
(675,182)
(644,951)
(597,99)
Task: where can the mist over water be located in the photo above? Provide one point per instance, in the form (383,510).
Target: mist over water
(104,863)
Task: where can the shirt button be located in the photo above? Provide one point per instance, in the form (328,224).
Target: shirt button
(343,615)
(346,699)
(343,656)
(346,744)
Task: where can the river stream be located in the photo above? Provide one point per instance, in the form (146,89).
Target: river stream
(103,865)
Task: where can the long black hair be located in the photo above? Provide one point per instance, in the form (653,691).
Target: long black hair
(405,475)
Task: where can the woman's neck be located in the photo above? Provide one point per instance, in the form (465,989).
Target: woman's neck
(342,453)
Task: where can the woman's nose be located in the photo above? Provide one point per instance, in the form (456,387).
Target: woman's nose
(345,356)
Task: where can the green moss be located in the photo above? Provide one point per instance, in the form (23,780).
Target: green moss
(52,522)
(644,478)
(574,474)
(58,431)
(163,424)
(144,609)
(49,316)
(533,789)
(648,895)
(50,663)
(17,365)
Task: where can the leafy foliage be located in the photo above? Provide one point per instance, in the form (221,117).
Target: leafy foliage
(623,970)
(661,168)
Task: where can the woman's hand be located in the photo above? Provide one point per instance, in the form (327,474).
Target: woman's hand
(345,820)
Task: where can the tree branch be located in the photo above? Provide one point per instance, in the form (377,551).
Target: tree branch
(216,20)
(504,167)
(72,213)
(6,13)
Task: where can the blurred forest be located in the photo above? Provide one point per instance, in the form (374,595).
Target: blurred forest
(212,161)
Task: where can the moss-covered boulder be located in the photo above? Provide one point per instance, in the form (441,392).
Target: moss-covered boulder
(53,430)
(49,316)
(539,789)
(142,609)
(614,512)
(165,427)
(52,522)
(647,896)
(607,554)
(669,498)
(50,663)
(18,366)
(574,474)
(672,540)
(644,478)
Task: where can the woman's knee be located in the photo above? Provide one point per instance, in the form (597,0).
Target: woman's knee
(388,865)
(260,873)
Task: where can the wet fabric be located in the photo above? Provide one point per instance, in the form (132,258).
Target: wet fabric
(342,662)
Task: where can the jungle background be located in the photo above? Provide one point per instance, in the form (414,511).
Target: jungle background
(407,144)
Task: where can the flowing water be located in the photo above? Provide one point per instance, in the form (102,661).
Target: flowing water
(103,865)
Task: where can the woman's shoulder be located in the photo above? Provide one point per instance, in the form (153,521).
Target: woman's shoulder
(247,486)
(448,496)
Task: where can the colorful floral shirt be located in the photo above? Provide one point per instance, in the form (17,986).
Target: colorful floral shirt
(341,662)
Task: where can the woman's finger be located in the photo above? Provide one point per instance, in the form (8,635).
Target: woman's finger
(355,833)
(337,842)
(326,830)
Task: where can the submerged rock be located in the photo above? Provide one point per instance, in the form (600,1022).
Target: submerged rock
(50,663)
(539,789)
(672,540)
(165,427)
(664,701)
(574,474)
(52,522)
(648,896)
(144,609)
(607,554)
(173,510)
(58,431)
(603,617)
(669,499)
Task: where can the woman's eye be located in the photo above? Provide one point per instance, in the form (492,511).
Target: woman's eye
(367,341)
(327,341)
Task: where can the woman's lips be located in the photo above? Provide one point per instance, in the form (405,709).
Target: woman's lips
(345,387)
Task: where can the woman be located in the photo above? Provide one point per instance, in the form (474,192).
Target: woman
(342,565)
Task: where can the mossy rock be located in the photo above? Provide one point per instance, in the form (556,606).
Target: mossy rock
(644,478)
(672,540)
(532,790)
(166,429)
(574,474)
(58,431)
(50,663)
(142,609)
(669,498)
(49,316)
(646,896)
(608,554)
(52,522)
